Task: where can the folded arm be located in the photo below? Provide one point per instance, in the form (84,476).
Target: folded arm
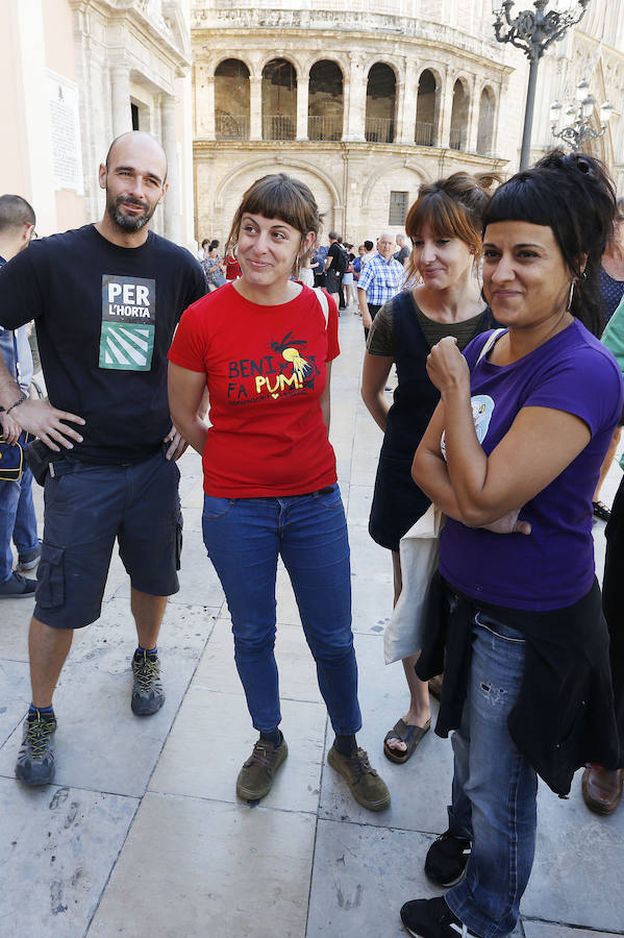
(475,488)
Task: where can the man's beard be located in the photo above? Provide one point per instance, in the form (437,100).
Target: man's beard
(129,222)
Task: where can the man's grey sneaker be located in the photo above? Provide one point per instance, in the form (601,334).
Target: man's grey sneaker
(432,918)
(17,587)
(256,776)
(147,691)
(447,858)
(35,760)
(367,787)
(29,559)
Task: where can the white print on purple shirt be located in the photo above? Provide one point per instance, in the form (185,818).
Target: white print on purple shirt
(482,409)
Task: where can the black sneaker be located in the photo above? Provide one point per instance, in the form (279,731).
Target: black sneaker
(147,691)
(17,587)
(35,760)
(447,858)
(29,559)
(432,918)
(601,511)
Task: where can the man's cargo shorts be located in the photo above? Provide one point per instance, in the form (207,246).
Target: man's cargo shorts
(86,508)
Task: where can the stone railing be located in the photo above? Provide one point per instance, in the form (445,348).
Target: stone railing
(423,134)
(231,126)
(325,128)
(279,127)
(379,130)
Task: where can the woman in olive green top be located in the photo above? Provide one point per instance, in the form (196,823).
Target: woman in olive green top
(444,225)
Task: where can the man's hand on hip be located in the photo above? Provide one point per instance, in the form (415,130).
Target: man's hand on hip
(48,423)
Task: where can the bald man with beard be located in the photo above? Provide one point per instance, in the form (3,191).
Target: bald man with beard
(106,299)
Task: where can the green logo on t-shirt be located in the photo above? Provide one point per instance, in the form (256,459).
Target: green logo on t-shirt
(128,323)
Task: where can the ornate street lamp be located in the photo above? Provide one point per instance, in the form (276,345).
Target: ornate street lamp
(533,32)
(579,127)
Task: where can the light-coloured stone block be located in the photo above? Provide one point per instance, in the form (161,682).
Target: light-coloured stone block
(297,670)
(57,848)
(100,744)
(213,736)
(193,867)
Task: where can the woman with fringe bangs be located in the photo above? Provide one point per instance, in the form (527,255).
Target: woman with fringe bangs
(444,226)
(262,347)
(511,456)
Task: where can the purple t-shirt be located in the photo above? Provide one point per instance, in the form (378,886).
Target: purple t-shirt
(553,567)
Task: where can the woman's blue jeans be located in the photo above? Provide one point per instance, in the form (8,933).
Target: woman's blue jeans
(17,521)
(244,538)
(494,787)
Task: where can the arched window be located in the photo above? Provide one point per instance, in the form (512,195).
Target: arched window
(425,110)
(485,132)
(232,100)
(325,102)
(459,117)
(380,104)
(279,101)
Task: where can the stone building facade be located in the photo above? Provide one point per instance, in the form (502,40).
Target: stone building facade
(75,74)
(366,99)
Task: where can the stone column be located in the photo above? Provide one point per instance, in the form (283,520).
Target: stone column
(446,108)
(204,103)
(473,118)
(120,86)
(171,204)
(356,99)
(255,107)
(406,105)
(303,92)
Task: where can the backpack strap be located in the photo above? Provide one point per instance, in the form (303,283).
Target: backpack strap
(489,344)
(323,302)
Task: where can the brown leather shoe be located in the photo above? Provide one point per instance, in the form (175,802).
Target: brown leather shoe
(602,788)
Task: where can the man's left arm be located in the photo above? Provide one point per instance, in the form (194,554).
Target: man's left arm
(196,290)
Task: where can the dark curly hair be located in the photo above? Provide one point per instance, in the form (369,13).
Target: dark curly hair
(574,196)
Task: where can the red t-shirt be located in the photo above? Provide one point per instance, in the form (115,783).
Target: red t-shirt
(232,268)
(265,370)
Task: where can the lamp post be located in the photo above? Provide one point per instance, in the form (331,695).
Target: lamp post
(579,127)
(534,31)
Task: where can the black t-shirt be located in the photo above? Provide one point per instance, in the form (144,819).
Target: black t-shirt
(335,252)
(105,316)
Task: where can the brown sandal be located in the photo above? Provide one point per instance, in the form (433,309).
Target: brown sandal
(409,734)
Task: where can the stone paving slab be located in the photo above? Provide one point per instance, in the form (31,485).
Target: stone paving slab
(534,929)
(578,873)
(199,584)
(213,736)
(420,788)
(362,876)
(57,848)
(201,869)
(297,671)
(15,683)
(93,701)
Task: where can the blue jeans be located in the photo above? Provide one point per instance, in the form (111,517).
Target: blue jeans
(17,521)
(244,537)
(494,787)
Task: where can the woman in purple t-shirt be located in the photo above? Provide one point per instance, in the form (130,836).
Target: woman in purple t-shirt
(511,456)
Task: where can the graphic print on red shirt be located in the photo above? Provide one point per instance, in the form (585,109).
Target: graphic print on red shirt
(266,372)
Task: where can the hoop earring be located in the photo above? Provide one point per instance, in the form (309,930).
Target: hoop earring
(571,296)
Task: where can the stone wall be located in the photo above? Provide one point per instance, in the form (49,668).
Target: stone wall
(354,172)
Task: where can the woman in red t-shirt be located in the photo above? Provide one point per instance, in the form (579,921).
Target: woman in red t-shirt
(262,347)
